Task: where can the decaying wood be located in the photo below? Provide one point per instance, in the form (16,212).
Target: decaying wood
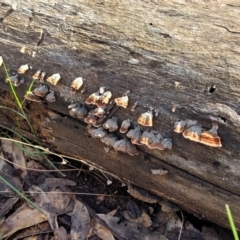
(179,57)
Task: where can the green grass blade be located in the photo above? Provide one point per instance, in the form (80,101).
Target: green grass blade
(12,89)
(20,194)
(232,224)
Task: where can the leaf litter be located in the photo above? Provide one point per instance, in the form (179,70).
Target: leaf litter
(104,211)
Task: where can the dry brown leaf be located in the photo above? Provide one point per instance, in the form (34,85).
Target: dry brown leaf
(25,218)
(58,182)
(40,228)
(143,220)
(174,222)
(60,234)
(45,204)
(80,222)
(33,153)
(34,165)
(103,233)
(7,147)
(6,171)
(129,231)
(59,199)
(6,206)
(19,159)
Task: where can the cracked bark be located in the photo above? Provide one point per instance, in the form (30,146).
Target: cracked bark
(195,45)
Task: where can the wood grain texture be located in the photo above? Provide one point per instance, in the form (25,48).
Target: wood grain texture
(193,43)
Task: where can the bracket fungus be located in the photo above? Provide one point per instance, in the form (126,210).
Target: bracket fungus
(167,143)
(98,111)
(51,96)
(97,132)
(122,101)
(54,78)
(179,126)
(109,139)
(82,112)
(193,133)
(37,75)
(92,119)
(211,138)
(32,97)
(154,141)
(41,90)
(77,109)
(104,99)
(146,135)
(15,80)
(145,119)
(92,99)
(125,146)
(23,69)
(42,76)
(111,124)
(125,125)
(99,98)
(76,84)
(135,135)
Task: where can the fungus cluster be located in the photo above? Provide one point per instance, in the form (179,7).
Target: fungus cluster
(39,92)
(193,131)
(102,125)
(15,79)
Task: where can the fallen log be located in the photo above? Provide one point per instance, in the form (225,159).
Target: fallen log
(179,58)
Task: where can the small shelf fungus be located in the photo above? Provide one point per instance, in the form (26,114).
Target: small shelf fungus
(180,125)
(109,139)
(125,125)
(41,90)
(54,78)
(104,99)
(78,110)
(91,119)
(146,135)
(99,98)
(135,135)
(99,112)
(97,132)
(193,131)
(23,69)
(51,96)
(111,124)
(125,146)
(15,80)
(92,99)
(122,101)
(37,75)
(76,84)
(42,76)
(32,97)
(146,119)
(154,140)
(211,137)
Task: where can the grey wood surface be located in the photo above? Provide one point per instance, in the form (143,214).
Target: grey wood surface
(145,47)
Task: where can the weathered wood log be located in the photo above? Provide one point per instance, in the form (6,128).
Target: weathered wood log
(179,57)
